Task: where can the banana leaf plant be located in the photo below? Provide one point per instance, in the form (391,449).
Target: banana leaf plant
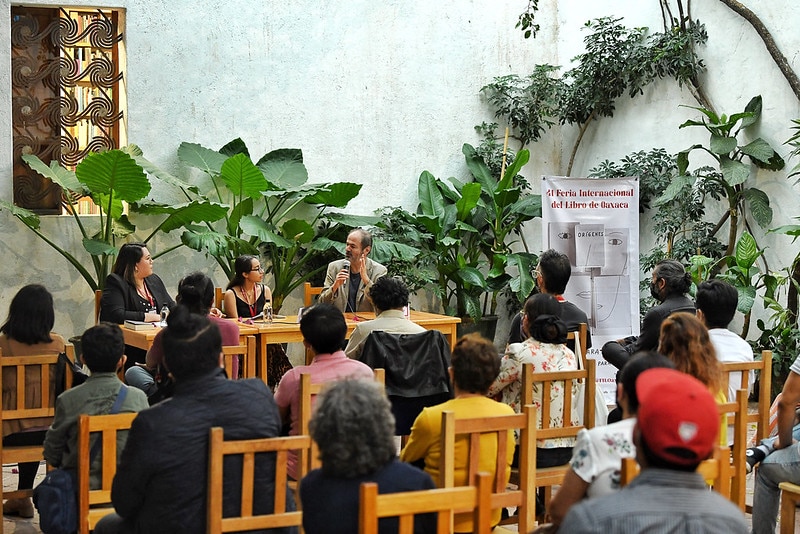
(502,208)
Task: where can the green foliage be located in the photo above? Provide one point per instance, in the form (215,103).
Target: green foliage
(109,178)
(794,142)
(527,20)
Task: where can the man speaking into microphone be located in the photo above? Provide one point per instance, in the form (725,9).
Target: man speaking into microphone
(347,280)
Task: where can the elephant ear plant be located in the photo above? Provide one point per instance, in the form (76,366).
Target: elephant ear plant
(269,208)
(109,179)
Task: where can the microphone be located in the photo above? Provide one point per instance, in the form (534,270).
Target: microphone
(346,265)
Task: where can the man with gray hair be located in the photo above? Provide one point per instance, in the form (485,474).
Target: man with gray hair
(347,280)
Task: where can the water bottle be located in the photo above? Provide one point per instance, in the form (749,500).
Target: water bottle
(268,312)
(164,315)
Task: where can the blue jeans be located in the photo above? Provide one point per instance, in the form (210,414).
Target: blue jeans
(779,466)
(141,378)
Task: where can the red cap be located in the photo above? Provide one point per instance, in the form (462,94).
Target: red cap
(678,417)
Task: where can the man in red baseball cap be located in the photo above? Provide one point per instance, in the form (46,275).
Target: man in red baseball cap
(677,428)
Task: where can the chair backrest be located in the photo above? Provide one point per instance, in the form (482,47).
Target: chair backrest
(444,502)
(219,295)
(496,434)
(764,368)
(28,403)
(98,296)
(90,510)
(579,339)
(416,371)
(790,500)
(716,469)
(309,458)
(545,382)
(309,292)
(248,357)
(248,519)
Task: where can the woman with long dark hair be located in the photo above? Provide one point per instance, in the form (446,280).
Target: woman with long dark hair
(27,332)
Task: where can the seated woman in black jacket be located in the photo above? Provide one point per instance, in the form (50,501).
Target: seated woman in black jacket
(134,293)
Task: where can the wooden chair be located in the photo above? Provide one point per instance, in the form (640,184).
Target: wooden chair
(444,502)
(309,458)
(96,504)
(790,500)
(496,433)
(247,363)
(309,292)
(27,406)
(547,477)
(738,472)
(764,368)
(98,295)
(218,449)
(716,469)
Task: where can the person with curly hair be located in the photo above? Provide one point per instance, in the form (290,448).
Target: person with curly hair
(474,367)
(354,429)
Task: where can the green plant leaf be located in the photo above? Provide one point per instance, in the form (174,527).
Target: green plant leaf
(164,176)
(675,188)
(214,243)
(117,207)
(472,276)
(431,202)
(469,199)
(520,160)
(255,226)
(28,218)
(722,144)
(746,251)
(199,157)
(284,167)
(97,247)
(113,172)
(336,195)
(747,297)
(759,206)
(193,212)
(237,146)
(480,171)
(734,172)
(788,229)
(298,231)
(242,177)
(353,221)
(758,150)
(754,107)
(245,207)
(56,174)
(774,163)
(385,251)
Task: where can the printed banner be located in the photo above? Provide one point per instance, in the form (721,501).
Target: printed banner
(596,224)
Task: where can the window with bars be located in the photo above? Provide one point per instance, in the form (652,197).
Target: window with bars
(67,93)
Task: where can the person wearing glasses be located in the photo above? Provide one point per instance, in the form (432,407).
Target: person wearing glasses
(245,295)
(245,298)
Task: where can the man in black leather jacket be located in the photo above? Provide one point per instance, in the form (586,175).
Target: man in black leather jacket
(669,285)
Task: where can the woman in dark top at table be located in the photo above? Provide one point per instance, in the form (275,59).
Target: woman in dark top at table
(245,295)
(244,298)
(134,293)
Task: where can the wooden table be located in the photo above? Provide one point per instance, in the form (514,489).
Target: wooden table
(143,339)
(287,330)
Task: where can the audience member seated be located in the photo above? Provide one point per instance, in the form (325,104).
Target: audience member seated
(597,456)
(475,366)
(196,292)
(245,298)
(546,350)
(685,341)
(324,330)
(27,332)
(389,296)
(676,429)
(782,465)
(669,285)
(133,293)
(347,280)
(160,485)
(354,429)
(552,275)
(102,347)
(716,302)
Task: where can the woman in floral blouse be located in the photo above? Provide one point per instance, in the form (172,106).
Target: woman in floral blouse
(546,349)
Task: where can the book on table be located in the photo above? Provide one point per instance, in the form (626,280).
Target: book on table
(139,325)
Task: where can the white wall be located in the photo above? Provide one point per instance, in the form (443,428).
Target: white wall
(376,92)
